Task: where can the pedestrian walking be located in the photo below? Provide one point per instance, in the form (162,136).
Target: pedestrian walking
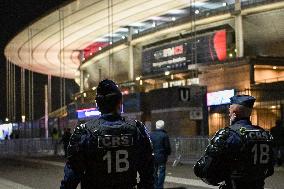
(162,149)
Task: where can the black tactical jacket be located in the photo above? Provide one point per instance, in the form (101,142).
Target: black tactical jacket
(240,155)
(107,153)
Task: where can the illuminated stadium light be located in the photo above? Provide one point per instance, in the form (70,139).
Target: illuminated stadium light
(173,18)
(177,11)
(102,39)
(112,35)
(138,24)
(199,4)
(196,11)
(156,18)
(122,30)
(167,72)
(161,18)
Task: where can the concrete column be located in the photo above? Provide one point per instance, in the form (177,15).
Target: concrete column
(46,111)
(239,29)
(49,93)
(81,57)
(81,80)
(131,62)
(251,74)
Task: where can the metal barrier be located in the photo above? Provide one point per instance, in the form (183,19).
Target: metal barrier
(184,150)
(30,147)
(187,150)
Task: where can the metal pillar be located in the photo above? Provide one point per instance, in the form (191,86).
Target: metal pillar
(239,29)
(46,111)
(81,80)
(81,57)
(49,93)
(131,61)
(251,74)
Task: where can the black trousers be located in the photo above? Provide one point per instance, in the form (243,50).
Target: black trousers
(256,184)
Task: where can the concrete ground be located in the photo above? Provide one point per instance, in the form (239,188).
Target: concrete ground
(47,172)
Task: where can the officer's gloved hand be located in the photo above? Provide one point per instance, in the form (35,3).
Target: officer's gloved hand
(199,167)
(223,186)
(201,170)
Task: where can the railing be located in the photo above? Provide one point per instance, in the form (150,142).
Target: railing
(184,150)
(187,150)
(30,147)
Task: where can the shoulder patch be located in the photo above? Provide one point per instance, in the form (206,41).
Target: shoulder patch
(258,135)
(111,141)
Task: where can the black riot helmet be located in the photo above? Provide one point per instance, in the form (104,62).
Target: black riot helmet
(108,96)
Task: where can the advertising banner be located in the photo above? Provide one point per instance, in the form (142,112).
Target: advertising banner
(178,55)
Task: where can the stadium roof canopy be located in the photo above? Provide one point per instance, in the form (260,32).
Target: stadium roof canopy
(64,32)
(52,44)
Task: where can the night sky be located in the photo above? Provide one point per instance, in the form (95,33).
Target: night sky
(15,15)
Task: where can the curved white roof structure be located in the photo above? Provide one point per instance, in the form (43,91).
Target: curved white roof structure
(42,45)
(52,44)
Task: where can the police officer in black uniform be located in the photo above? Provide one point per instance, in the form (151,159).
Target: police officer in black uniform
(107,152)
(239,156)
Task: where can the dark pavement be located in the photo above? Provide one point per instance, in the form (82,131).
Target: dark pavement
(46,173)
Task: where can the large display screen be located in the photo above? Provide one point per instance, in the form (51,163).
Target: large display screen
(90,112)
(220,97)
(178,55)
